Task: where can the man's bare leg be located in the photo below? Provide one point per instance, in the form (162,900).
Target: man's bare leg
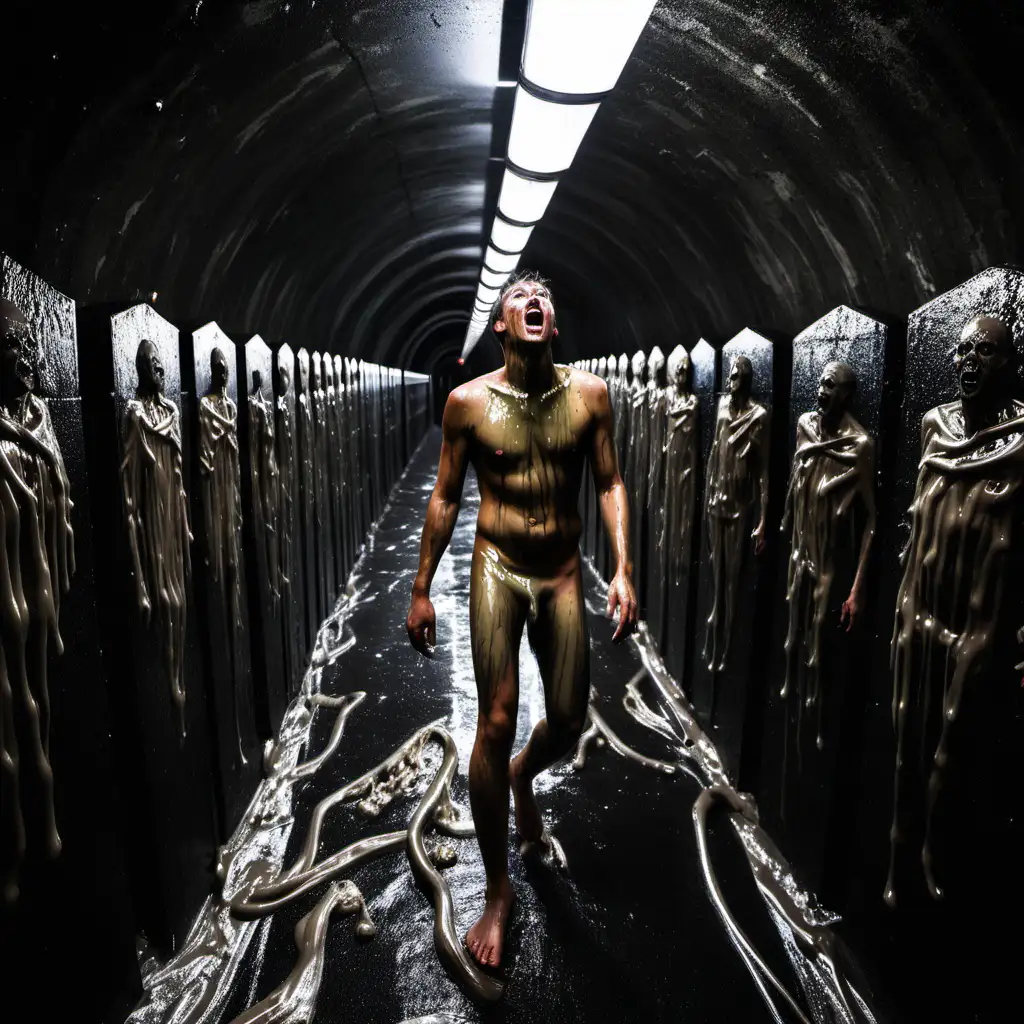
(560,642)
(496,617)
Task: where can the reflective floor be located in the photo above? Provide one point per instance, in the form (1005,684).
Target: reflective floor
(629,934)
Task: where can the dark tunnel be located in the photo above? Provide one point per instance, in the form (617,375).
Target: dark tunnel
(322,175)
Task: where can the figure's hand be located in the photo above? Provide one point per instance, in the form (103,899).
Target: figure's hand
(851,609)
(421,624)
(758,537)
(622,596)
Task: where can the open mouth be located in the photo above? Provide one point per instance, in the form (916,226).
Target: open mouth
(534,319)
(969,382)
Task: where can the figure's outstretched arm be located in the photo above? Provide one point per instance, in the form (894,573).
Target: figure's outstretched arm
(611,493)
(442,512)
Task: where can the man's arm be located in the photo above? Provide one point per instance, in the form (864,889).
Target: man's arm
(611,494)
(442,511)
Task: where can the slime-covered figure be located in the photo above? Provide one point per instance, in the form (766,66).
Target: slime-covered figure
(830,482)
(528,429)
(737,485)
(36,566)
(681,413)
(222,510)
(963,556)
(156,516)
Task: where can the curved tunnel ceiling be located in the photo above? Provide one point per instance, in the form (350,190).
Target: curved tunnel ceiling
(317,171)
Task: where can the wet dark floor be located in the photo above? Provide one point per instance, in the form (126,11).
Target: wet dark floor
(629,934)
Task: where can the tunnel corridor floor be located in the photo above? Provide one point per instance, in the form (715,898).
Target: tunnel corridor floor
(629,933)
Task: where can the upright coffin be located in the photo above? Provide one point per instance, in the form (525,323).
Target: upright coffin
(941,821)
(292,521)
(828,632)
(262,531)
(71,845)
(220,567)
(322,487)
(733,627)
(307,496)
(138,451)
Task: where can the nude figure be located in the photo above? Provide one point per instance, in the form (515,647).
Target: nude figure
(528,429)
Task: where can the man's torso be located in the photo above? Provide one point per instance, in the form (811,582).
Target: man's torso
(529,455)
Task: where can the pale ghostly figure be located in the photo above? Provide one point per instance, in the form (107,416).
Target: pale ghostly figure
(830,499)
(737,486)
(967,536)
(37,561)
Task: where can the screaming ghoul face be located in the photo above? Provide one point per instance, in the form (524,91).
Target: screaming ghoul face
(218,370)
(981,358)
(149,368)
(527,314)
(834,389)
(741,376)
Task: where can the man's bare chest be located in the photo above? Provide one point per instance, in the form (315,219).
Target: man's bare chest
(513,434)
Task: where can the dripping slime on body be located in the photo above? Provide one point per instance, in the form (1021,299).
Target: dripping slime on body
(737,483)
(222,510)
(833,472)
(38,561)
(156,516)
(966,522)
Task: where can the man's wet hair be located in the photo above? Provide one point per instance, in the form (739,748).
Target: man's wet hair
(517,278)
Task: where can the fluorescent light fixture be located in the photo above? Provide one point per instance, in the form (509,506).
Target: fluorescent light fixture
(508,237)
(522,199)
(572,57)
(545,136)
(499,261)
(581,46)
(492,278)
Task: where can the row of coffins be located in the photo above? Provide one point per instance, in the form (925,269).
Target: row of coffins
(180,515)
(828,552)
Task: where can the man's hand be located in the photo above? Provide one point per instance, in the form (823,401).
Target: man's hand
(621,596)
(421,624)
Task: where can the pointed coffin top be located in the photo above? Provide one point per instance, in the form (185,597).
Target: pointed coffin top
(127,330)
(841,322)
(204,340)
(51,315)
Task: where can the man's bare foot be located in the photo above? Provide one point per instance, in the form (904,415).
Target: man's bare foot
(487,937)
(529,823)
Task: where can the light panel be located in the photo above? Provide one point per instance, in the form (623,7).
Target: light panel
(492,279)
(545,136)
(507,236)
(522,199)
(499,261)
(581,46)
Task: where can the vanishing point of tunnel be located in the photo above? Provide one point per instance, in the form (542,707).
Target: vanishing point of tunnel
(513,510)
